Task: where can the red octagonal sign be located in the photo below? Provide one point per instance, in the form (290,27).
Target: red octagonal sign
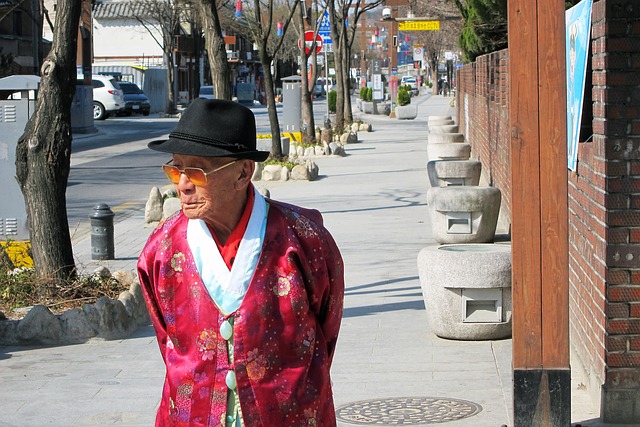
(308,42)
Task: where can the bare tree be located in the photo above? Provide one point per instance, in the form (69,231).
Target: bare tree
(343,35)
(437,42)
(210,19)
(307,54)
(43,153)
(165,16)
(260,20)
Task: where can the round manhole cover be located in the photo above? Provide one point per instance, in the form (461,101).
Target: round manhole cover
(407,411)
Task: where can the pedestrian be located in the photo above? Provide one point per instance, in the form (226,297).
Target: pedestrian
(245,293)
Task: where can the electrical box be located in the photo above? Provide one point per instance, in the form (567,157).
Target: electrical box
(17,103)
(291,104)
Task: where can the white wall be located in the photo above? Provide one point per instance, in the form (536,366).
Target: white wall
(126,41)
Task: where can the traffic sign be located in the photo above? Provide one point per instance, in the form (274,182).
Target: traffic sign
(309,41)
(325,29)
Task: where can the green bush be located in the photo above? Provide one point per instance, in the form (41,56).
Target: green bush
(363,93)
(331,101)
(403,96)
(369,94)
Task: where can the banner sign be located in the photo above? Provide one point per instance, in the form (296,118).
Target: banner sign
(418,25)
(578,34)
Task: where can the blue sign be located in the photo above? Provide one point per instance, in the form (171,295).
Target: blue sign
(325,26)
(578,28)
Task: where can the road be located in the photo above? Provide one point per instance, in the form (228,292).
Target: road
(114,166)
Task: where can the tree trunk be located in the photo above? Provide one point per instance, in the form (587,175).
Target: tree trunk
(170,107)
(276,141)
(341,89)
(214,44)
(43,154)
(346,76)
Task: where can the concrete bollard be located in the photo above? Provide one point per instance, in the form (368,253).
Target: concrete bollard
(102,244)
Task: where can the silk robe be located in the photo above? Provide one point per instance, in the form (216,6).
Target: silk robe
(285,329)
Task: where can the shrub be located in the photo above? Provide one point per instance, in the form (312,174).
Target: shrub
(369,94)
(403,96)
(363,93)
(331,101)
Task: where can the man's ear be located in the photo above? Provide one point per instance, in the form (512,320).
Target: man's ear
(246,173)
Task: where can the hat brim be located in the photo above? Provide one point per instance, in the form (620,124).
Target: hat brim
(179,146)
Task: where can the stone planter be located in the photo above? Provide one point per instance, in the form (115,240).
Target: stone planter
(367,107)
(437,118)
(433,125)
(406,112)
(445,138)
(467,290)
(444,173)
(451,151)
(464,214)
(443,129)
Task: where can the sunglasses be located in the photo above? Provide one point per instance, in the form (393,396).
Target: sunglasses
(196,176)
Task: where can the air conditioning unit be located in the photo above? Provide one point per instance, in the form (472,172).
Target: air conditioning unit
(233,55)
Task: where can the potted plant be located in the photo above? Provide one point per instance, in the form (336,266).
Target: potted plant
(367,101)
(404,109)
(362,95)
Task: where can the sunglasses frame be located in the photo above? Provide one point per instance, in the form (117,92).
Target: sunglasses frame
(185,171)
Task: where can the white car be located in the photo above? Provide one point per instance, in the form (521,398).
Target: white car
(411,81)
(107,97)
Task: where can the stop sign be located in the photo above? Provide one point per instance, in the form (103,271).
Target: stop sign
(308,42)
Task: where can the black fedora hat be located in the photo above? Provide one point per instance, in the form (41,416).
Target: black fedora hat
(214,128)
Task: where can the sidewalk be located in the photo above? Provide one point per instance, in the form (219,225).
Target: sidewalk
(389,369)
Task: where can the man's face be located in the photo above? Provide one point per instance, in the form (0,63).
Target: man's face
(210,201)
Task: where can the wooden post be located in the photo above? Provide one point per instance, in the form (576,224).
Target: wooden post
(542,376)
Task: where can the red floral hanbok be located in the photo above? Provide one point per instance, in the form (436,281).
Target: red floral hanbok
(284,331)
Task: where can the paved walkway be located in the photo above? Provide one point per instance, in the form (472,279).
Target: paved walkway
(374,203)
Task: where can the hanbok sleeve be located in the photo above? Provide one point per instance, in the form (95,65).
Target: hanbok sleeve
(332,299)
(147,278)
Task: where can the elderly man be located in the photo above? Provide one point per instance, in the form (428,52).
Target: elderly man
(245,293)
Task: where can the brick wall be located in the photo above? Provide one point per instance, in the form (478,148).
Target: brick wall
(604,198)
(483,116)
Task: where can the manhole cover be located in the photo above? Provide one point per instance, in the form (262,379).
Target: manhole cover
(406,411)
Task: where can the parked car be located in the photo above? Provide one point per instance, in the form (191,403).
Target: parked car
(135,101)
(107,97)
(411,81)
(206,92)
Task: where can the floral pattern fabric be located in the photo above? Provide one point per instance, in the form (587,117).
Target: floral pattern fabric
(285,329)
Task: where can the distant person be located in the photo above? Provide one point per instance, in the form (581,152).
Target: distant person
(245,293)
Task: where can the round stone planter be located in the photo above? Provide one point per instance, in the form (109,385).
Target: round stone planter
(443,129)
(445,138)
(464,214)
(449,151)
(444,173)
(467,290)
